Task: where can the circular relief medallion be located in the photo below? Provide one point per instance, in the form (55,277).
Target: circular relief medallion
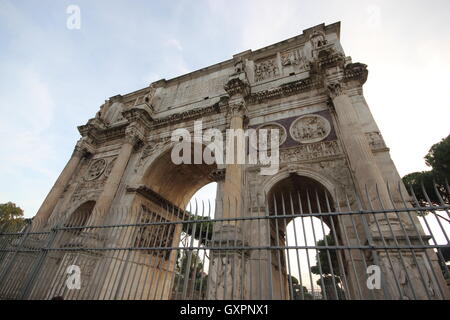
(262,145)
(96,169)
(310,128)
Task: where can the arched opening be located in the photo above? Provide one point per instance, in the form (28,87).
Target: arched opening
(78,218)
(169,190)
(301,269)
(177,183)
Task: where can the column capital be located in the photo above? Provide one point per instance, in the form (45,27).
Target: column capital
(339,79)
(83,148)
(237,108)
(134,134)
(238,83)
(335,89)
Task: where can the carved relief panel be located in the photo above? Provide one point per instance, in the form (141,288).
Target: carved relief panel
(265,143)
(96,169)
(266,69)
(311,151)
(375,140)
(310,128)
(294,61)
(93,178)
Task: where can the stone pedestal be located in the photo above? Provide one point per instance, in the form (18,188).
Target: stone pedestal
(228,277)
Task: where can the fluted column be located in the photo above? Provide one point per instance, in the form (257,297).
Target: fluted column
(362,160)
(50,202)
(232,186)
(372,185)
(228,268)
(104,202)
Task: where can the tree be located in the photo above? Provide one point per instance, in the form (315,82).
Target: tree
(330,274)
(438,158)
(429,187)
(197,280)
(201,229)
(11,221)
(11,218)
(300,292)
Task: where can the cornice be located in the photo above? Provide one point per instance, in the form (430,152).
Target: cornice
(191,114)
(286,89)
(100,135)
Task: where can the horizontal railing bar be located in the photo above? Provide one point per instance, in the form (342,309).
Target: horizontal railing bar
(383,247)
(327,214)
(23,233)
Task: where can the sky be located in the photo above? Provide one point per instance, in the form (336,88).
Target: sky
(53,79)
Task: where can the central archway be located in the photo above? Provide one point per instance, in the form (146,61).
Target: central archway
(176,183)
(164,193)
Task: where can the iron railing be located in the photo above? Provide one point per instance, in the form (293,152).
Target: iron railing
(302,245)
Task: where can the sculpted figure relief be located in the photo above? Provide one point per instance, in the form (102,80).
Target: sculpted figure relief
(266,70)
(271,126)
(295,58)
(91,183)
(96,169)
(310,151)
(310,128)
(317,39)
(375,140)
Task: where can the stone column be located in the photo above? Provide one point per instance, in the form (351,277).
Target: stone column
(104,202)
(362,160)
(228,276)
(227,272)
(218,176)
(387,228)
(49,204)
(232,186)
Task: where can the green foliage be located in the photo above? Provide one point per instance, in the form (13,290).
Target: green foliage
(300,292)
(439,158)
(322,256)
(425,184)
(11,221)
(196,279)
(330,288)
(201,230)
(422,185)
(326,282)
(11,218)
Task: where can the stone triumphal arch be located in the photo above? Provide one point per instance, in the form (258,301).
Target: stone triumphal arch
(304,86)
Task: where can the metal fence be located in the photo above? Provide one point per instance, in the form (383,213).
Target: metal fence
(303,245)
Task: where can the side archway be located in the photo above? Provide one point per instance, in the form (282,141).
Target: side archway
(304,209)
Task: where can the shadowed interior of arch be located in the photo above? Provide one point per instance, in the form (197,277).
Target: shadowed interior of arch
(77,218)
(299,194)
(177,183)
